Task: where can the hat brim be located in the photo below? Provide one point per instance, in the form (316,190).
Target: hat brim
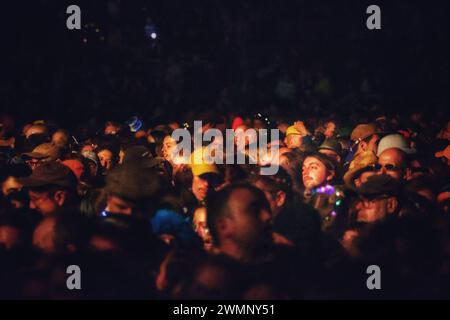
(31,182)
(405,150)
(35,155)
(351,175)
(329,148)
(198,172)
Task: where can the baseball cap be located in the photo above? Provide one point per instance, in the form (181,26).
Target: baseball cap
(91,155)
(76,166)
(363,131)
(132,181)
(394,141)
(47,151)
(198,164)
(298,130)
(50,173)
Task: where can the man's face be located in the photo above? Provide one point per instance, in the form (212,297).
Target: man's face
(111,130)
(392,163)
(200,187)
(371,145)
(200,224)
(33,163)
(43,236)
(329,129)
(250,219)
(314,173)
(168,148)
(293,141)
(10,237)
(92,166)
(9,185)
(118,205)
(60,139)
(105,157)
(375,208)
(44,202)
(12,188)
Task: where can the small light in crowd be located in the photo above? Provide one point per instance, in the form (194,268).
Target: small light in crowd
(153,35)
(85,40)
(97,30)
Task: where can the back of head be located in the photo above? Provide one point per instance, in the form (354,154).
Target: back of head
(218,205)
(133,182)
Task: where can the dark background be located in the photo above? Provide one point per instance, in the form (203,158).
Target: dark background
(221,55)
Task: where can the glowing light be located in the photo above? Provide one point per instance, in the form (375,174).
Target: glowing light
(153,35)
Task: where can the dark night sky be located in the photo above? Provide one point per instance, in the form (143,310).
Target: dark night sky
(408,58)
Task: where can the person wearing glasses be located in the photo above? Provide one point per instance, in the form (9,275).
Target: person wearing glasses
(392,162)
(377,199)
(364,139)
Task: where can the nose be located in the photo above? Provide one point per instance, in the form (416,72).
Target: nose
(205,184)
(365,204)
(32,205)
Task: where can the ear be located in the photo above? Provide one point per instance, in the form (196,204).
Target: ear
(280,198)
(60,197)
(391,205)
(363,145)
(331,175)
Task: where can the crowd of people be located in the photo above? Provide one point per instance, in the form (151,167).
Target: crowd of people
(139,224)
(90,175)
